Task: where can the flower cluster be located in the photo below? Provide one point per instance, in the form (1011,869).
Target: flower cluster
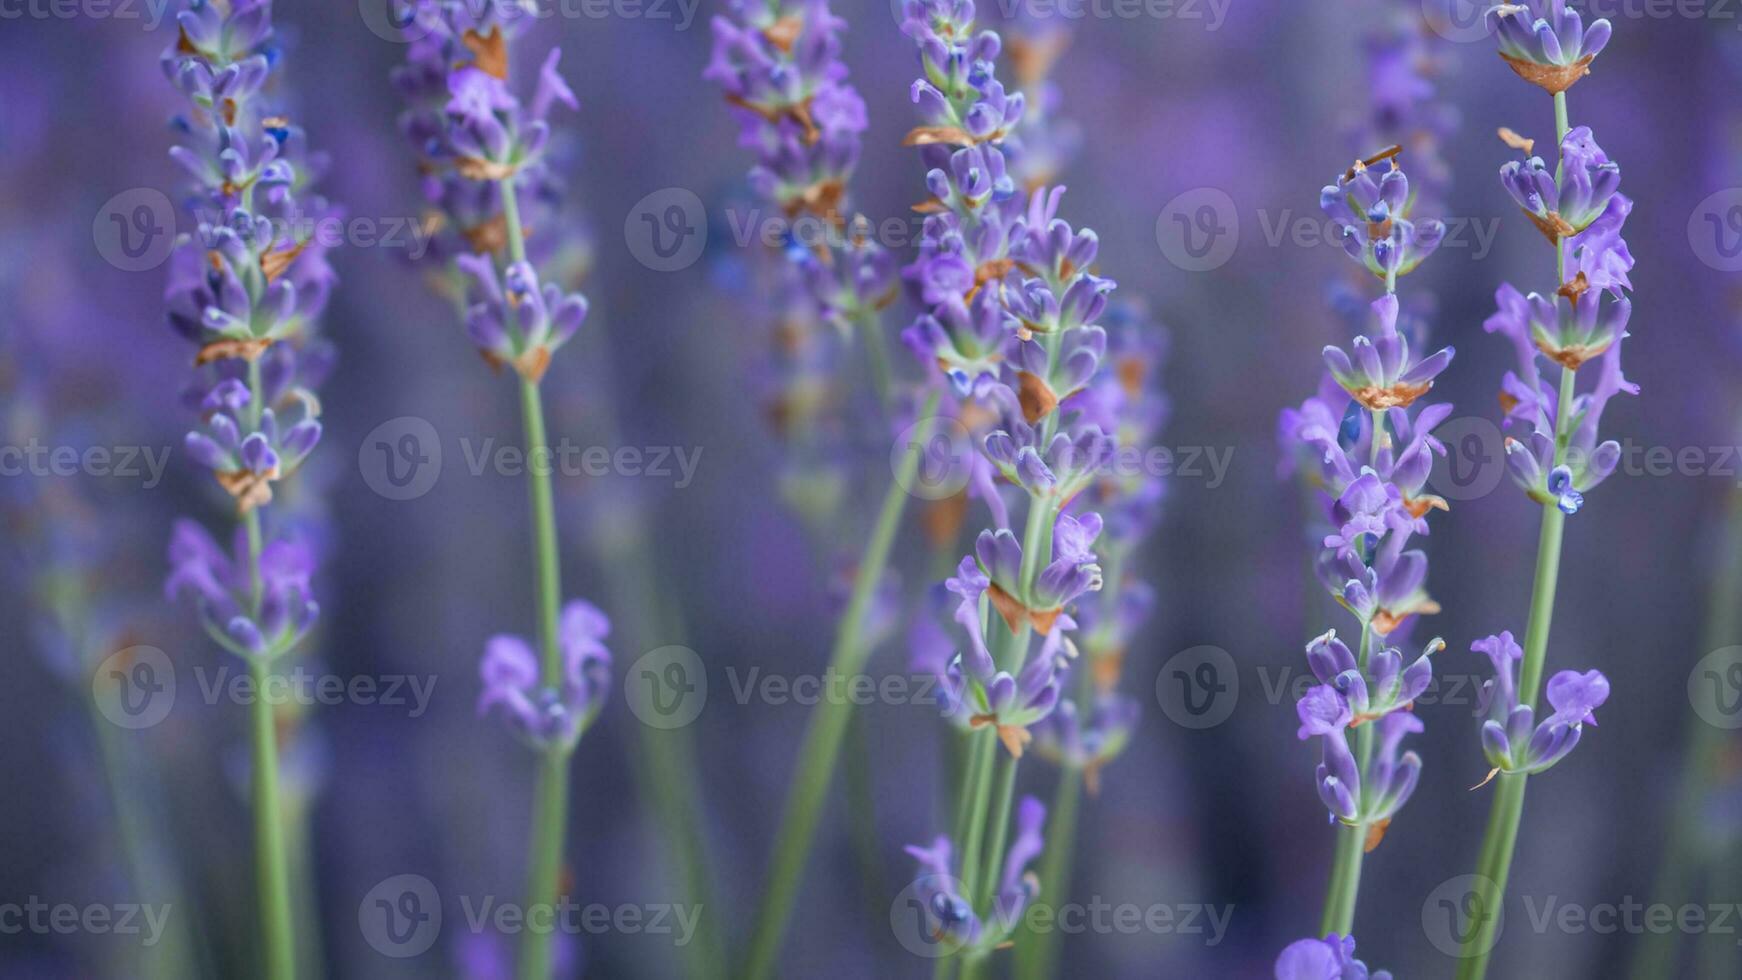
(1585,319)
(1366,445)
(1403,59)
(545,715)
(951,915)
(1546,42)
(1330,958)
(1511,738)
(1371,204)
(247,291)
(482,152)
(780,67)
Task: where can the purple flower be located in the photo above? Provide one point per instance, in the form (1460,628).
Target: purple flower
(545,715)
(1087,739)
(1589,182)
(1330,958)
(1372,216)
(1546,41)
(513,320)
(951,916)
(223,585)
(1511,738)
(1385,686)
(1382,373)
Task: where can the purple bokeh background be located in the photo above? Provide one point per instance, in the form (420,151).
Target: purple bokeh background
(1255,107)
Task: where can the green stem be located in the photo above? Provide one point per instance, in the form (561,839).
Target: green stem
(272,874)
(1037,952)
(877,356)
(511,217)
(271,870)
(822,739)
(1500,841)
(550,795)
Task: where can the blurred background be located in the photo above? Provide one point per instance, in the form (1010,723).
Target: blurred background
(1255,99)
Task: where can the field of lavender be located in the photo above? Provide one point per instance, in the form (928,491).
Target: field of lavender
(629,488)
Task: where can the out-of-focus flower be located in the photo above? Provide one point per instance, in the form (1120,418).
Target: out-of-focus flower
(545,715)
(1330,958)
(972,932)
(257,622)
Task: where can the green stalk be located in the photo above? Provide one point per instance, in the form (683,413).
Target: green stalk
(1037,952)
(1501,839)
(822,739)
(551,792)
(271,870)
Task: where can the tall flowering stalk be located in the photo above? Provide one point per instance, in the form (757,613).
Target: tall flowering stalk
(247,294)
(482,148)
(1578,207)
(779,65)
(1094,719)
(1012,330)
(1370,448)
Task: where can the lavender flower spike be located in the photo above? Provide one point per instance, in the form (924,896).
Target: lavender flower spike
(1371,205)
(547,716)
(247,291)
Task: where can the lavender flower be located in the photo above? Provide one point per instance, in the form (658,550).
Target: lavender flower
(1087,739)
(1357,798)
(545,716)
(1512,739)
(1330,958)
(969,931)
(1546,42)
(247,293)
(1371,207)
(483,150)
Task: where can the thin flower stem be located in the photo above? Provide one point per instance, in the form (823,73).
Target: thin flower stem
(822,739)
(1501,839)
(877,356)
(1037,952)
(551,792)
(271,870)
(273,882)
